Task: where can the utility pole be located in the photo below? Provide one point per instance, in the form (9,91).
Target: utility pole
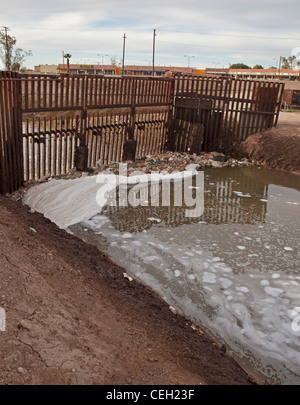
(7,51)
(154,35)
(279,68)
(123,66)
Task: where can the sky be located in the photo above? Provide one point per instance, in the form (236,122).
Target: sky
(193,33)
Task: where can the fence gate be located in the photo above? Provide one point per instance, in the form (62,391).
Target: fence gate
(212,114)
(188,130)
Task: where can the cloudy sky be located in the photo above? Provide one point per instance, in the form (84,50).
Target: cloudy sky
(201,33)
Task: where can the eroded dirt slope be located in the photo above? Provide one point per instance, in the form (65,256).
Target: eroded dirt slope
(73,318)
(277,148)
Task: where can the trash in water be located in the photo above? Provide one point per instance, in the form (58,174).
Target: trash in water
(220,159)
(172,309)
(128,277)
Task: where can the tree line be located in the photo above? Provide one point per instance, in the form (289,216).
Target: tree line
(286,63)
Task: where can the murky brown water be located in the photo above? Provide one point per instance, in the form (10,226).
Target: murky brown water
(235,270)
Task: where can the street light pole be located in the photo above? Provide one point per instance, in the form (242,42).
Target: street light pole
(102,56)
(279,68)
(276,62)
(189,57)
(124,39)
(154,35)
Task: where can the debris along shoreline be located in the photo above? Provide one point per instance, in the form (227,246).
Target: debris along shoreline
(167,162)
(174,161)
(177,161)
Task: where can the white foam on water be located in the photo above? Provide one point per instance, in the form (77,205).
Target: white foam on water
(225,283)
(246,311)
(150,258)
(209,278)
(275,292)
(242,289)
(137,243)
(250,311)
(69,202)
(66,202)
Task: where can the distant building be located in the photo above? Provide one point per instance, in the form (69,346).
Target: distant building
(88,69)
(265,74)
(129,70)
(46,69)
(262,74)
(168,71)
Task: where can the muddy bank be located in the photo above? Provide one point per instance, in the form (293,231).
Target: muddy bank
(73,318)
(277,148)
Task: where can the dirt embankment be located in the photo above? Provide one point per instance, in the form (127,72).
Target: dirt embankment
(73,318)
(277,148)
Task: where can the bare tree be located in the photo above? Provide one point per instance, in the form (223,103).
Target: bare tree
(114,61)
(18,59)
(12,59)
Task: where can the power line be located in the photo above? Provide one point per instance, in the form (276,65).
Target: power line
(6,29)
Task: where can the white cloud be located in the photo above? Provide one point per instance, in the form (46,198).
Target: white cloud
(218,31)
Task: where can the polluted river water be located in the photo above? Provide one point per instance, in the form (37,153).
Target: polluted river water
(234,270)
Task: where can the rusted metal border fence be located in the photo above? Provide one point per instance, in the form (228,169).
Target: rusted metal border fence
(63,114)
(42,93)
(11,154)
(49,122)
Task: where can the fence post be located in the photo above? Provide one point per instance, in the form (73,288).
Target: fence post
(81,151)
(170,139)
(11,148)
(129,148)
